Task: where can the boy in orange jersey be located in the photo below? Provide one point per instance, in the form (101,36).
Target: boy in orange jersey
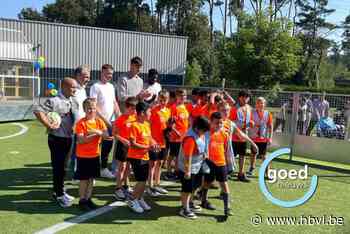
(261,133)
(241,115)
(201,108)
(160,115)
(180,118)
(141,142)
(219,144)
(121,133)
(90,131)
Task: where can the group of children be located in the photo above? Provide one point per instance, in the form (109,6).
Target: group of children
(196,141)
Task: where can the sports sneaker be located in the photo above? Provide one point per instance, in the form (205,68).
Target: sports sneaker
(91,204)
(119,194)
(195,208)
(250,171)
(63,201)
(128,189)
(187,214)
(169,176)
(152,192)
(243,178)
(83,205)
(144,205)
(161,190)
(105,173)
(135,206)
(207,205)
(69,197)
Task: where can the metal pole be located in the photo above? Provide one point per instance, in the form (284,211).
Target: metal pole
(294,120)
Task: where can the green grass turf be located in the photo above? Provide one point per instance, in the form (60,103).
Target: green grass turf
(8,129)
(26,205)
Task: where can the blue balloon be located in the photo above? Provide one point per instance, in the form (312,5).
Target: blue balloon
(50,85)
(37,66)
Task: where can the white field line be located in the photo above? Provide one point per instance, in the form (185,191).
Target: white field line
(81,218)
(23,130)
(92,214)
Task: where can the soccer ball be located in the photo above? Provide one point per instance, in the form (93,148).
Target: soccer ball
(54,118)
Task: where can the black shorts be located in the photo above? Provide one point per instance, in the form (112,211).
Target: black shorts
(262,146)
(218,173)
(140,169)
(239,148)
(190,185)
(121,152)
(88,168)
(174,149)
(157,156)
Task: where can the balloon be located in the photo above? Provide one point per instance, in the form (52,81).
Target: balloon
(50,85)
(48,92)
(41,59)
(36,66)
(54,92)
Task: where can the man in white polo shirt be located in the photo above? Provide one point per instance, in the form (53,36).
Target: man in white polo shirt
(107,109)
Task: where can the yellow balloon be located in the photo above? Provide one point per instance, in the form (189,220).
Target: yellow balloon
(53,92)
(41,59)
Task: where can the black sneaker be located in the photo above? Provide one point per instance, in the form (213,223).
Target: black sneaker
(91,204)
(169,176)
(83,205)
(228,212)
(207,205)
(243,178)
(187,214)
(250,172)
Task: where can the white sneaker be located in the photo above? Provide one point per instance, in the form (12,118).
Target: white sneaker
(152,192)
(119,194)
(69,197)
(161,190)
(105,173)
(135,206)
(63,201)
(144,205)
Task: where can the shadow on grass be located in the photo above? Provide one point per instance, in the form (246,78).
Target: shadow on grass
(28,190)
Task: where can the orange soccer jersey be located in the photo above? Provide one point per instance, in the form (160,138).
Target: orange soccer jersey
(217,147)
(123,124)
(203,110)
(141,134)
(159,119)
(92,148)
(181,117)
(189,147)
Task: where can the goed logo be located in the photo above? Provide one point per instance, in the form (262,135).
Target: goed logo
(283,174)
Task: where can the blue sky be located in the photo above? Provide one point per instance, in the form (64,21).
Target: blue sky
(10,9)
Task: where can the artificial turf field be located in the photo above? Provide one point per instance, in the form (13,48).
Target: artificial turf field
(26,205)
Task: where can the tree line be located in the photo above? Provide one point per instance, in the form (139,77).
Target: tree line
(260,44)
